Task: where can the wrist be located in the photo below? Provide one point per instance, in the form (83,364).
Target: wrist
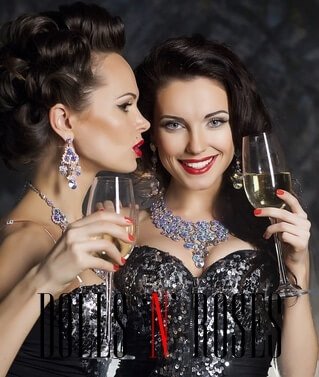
(42,282)
(300,276)
(299,270)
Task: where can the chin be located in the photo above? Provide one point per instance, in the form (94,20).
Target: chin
(198,185)
(127,168)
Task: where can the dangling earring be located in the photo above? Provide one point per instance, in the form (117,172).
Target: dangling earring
(69,165)
(154,183)
(147,185)
(237,175)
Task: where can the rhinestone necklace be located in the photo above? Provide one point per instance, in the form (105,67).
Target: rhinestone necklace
(57,216)
(198,236)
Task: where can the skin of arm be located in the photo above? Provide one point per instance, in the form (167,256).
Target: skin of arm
(299,344)
(73,254)
(18,312)
(299,339)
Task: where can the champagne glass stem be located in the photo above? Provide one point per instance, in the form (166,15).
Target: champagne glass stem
(283,280)
(109,290)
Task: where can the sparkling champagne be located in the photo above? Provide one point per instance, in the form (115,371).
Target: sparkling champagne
(125,248)
(261,188)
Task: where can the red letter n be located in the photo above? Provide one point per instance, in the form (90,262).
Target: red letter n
(162,323)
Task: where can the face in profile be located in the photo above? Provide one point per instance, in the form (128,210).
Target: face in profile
(107,132)
(192,133)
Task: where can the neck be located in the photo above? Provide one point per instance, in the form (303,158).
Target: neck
(193,205)
(49,181)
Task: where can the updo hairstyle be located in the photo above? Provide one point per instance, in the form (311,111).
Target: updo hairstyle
(48,58)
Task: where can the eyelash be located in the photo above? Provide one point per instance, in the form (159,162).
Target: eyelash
(124,106)
(169,125)
(220,121)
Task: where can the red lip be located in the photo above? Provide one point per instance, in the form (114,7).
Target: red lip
(136,148)
(195,171)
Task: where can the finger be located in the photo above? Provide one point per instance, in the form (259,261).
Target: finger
(99,206)
(285,227)
(298,244)
(100,215)
(292,202)
(106,230)
(96,247)
(101,264)
(109,206)
(283,215)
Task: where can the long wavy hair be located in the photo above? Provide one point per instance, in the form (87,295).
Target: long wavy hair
(186,58)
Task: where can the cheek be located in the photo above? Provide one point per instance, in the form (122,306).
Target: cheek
(169,145)
(222,141)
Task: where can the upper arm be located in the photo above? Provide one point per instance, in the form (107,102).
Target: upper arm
(20,250)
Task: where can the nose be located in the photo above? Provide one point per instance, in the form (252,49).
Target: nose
(196,142)
(142,123)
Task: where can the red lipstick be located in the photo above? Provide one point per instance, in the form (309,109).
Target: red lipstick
(198,166)
(136,148)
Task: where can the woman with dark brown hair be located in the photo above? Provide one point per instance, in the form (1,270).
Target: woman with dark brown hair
(68,109)
(203,249)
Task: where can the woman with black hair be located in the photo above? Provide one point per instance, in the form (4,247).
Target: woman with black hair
(203,250)
(68,109)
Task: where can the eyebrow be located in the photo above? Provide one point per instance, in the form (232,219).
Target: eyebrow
(182,119)
(127,94)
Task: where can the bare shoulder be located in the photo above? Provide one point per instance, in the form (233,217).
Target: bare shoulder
(22,246)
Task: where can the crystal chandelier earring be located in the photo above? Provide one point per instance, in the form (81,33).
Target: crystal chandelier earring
(237,175)
(147,186)
(69,165)
(154,184)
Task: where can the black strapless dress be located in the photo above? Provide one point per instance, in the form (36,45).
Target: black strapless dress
(221,324)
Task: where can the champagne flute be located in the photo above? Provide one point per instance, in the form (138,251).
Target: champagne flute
(114,194)
(265,171)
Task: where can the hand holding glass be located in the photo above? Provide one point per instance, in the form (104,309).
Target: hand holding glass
(114,194)
(264,171)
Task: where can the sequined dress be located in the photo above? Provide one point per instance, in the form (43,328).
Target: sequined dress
(221,324)
(218,348)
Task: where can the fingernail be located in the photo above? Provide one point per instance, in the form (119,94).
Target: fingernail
(131,237)
(280,192)
(101,209)
(265,235)
(116,267)
(123,260)
(257,211)
(128,220)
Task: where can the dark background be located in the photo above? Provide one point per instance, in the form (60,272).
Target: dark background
(277,39)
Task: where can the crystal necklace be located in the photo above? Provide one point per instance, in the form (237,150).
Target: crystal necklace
(57,216)
(198,236)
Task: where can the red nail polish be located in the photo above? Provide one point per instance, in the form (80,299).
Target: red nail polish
(128,219)
(280,192)
(131,237)
(116,267)
(101,209)
(123,260)
(257,211)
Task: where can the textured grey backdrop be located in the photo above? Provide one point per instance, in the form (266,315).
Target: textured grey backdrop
(278,40)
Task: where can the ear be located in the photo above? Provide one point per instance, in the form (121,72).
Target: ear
(59,116)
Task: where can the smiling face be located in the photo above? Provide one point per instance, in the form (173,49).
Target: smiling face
(108,131)
(192,133)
